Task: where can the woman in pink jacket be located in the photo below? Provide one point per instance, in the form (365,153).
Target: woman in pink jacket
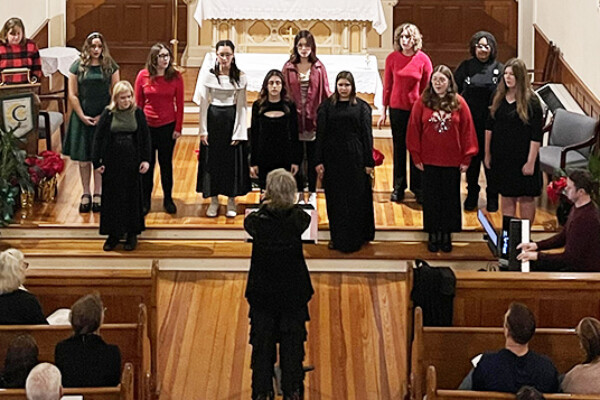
(306,80)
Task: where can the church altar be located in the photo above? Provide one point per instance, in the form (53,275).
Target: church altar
(341,10)
(256,66)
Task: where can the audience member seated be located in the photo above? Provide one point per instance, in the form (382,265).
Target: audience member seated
(16,51)
(84,359)
(580,235)
(585,378)
(529,393)
(17,305)
(43,383)
(514,366)
(21,357)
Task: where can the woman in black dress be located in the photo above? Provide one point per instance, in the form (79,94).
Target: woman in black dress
(345,163)
(121,152)
(274,131)
(477,79)
(512,141)
(278,288)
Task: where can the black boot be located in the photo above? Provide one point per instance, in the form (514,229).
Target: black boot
(170,207)
(264,396)
(471,201)
(111,243)
(433,243)
(492,203)
(130,242)
(446,244)
(296,395)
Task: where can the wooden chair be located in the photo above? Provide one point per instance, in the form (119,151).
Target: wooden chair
(50,121)
(434,393)
(550,64)
(124,391)
(450,350)
(128,336)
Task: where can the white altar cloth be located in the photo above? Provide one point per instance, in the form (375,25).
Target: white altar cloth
(337,10)
(58,59)
(256,66)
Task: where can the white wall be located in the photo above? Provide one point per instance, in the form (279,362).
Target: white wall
(574,25)
(34,13)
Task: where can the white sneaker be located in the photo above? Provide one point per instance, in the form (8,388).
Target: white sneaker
(301,198)
(213,209)
(231,208)
(312,200)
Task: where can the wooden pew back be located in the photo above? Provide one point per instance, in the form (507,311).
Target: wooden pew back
(433,393)
(124,391)
(558,300)
(450,350)
(129,337)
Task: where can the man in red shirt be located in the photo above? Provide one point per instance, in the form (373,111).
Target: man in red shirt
(580,236)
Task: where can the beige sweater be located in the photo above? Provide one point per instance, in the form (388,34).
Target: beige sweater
(583,379)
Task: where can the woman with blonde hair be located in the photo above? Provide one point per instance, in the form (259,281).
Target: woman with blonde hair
(584,378)
(512,141)
(407,72)
(90,79)
(278,288)
(17,305)
(121,153)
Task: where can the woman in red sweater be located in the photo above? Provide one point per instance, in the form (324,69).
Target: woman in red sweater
(159,92)
(407,71)
(441,139)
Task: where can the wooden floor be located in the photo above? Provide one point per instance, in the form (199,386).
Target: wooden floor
(192,207)
(357,336)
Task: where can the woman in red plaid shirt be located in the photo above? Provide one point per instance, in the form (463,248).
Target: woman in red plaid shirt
(16,51)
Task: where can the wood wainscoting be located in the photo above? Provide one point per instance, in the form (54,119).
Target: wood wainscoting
(564,74)
(447,26)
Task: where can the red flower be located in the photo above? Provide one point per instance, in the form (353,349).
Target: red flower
(556,188)
(378,157)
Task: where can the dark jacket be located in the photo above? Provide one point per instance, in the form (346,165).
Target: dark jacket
(20,308)
(87,361)
(278,279)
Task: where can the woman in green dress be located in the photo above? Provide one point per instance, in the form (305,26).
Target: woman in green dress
(90,80)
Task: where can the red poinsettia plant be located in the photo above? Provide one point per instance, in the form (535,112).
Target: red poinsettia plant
(378,157)
(556,189)
(46,165)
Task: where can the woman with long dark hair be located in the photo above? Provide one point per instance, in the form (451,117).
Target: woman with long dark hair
(441,140)
(477,78)
(159,93)
(223,164)
(306,78)
(513,139)
(407,72)
(91,78)
(274,130)
(345,162)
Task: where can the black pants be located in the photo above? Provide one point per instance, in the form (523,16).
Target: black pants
(163,142)
(306,169)
(399,123)
(289,331)
(441,199)
(475,168)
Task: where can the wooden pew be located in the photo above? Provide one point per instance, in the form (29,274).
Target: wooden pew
(124,391)
(128,336)
(558,300)
(450,350)
(121,291)
(433,393)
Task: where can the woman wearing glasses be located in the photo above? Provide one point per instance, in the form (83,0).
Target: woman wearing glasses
(407,72)
(159,93)
(223,164)
(306,79)
(477,78)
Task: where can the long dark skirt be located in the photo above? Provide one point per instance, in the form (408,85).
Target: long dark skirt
(121,188)
(441,199)
(349,198)
(222,168)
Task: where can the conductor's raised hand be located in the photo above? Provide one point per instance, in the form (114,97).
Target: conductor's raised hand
(144,167)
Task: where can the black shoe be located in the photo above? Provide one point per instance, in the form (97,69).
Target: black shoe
(264,396)
(170,207)
(296,395)
(397,196)
(471,201)
(432,244)
(97,203)
(111,243)
(446,245)
(492,203)
(131,242)
(85,206)
(330,245)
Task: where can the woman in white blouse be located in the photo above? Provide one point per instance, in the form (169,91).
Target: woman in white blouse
(223,163)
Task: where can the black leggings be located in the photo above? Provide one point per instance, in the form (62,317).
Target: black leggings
(306,169)
(163,142)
